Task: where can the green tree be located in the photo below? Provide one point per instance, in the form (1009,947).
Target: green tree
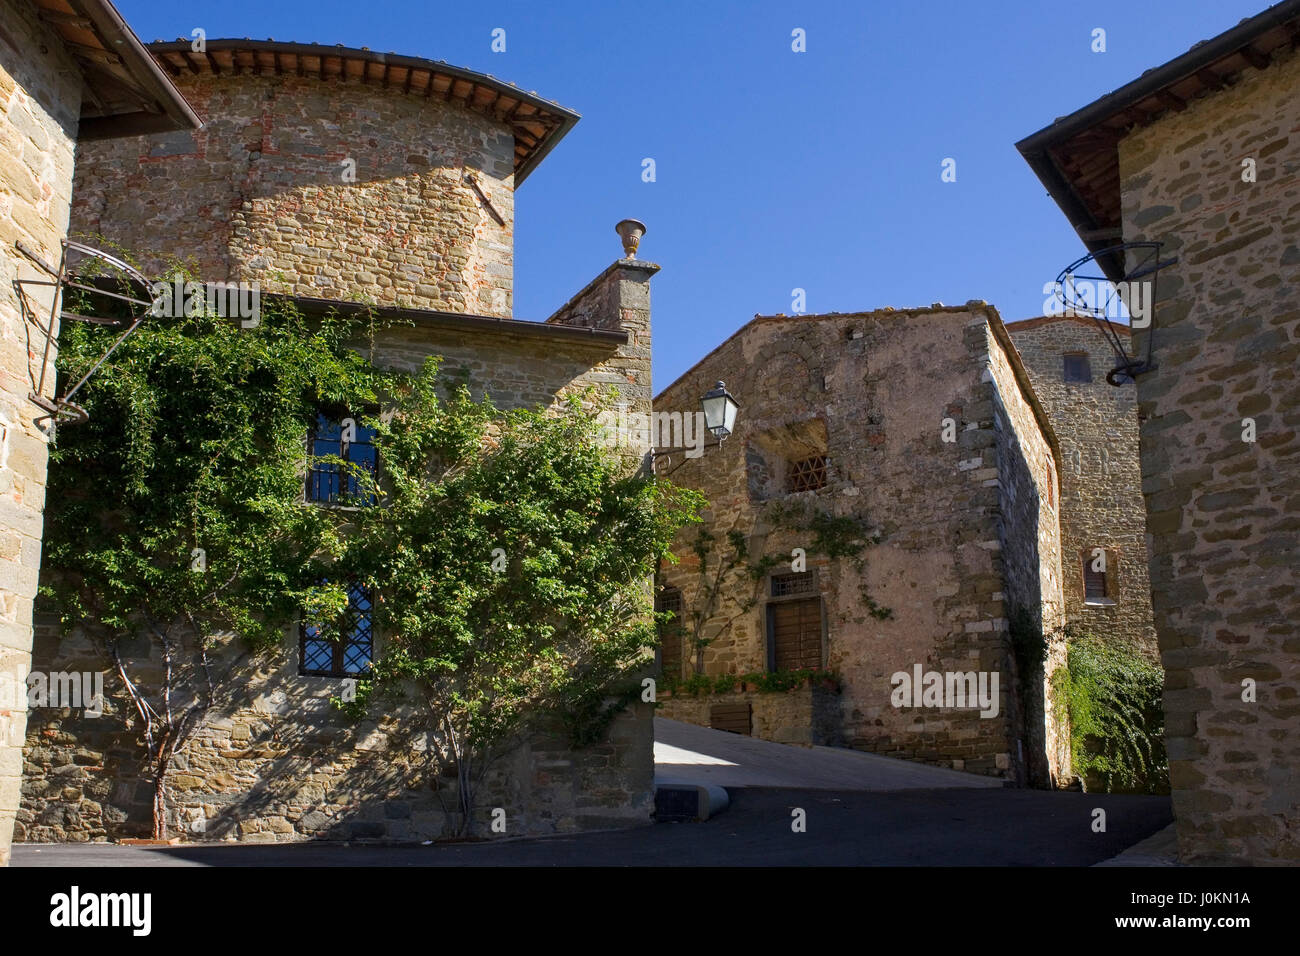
(509,552)
(512,556)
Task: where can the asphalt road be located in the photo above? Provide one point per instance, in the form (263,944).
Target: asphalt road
(937,827)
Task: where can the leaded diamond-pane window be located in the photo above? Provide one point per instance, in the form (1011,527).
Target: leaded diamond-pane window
(350,655)
(346,439)
(808,474)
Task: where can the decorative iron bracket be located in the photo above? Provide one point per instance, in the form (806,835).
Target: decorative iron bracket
(1133,284)
(63,410)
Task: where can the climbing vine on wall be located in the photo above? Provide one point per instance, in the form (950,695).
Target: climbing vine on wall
(1111,695)
(742,557)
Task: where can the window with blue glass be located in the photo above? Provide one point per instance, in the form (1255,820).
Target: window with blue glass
(351,653)
(345,438)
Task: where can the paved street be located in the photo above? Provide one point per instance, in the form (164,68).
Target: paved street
(686,753)
(950,827)
(860,809)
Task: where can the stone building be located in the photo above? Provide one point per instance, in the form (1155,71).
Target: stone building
(424,231)
(915,434)
(1103,518)
(63,78)
(1202,155)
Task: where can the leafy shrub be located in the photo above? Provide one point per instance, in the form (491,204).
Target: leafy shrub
(1111,693)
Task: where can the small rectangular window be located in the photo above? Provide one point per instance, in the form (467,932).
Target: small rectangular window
(670,632)
(794,633)
(350,655)
(807,474)
(1077,367)
(344,438)
(784,585)
(1098,578)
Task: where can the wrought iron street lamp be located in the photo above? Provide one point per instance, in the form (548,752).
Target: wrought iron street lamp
(719,408)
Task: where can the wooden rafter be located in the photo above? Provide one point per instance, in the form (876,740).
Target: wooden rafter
(1254,57)
(1170,100)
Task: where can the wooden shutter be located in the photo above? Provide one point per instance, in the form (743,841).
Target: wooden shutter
(796,634)
(734,718)
(1094,582)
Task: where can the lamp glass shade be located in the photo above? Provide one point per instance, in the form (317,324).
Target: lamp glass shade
(720,410)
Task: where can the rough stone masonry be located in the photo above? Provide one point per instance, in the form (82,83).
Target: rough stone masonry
(1202,155)
(924,429)
(1224,511)
(258,195)
(43,79)
(1067,359)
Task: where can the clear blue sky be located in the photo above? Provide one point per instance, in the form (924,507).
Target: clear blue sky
(775,169)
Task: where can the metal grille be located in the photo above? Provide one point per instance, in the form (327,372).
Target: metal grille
(809,474)
(783,585)
(1077,368)
(329,482)
(670,632)
(350,655)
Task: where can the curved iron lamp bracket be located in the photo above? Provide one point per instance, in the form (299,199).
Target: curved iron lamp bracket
(63,410)
(1137,290)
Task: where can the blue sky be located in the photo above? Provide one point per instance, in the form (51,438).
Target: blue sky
(775,170)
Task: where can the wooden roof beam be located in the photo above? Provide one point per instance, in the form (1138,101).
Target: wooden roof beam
(1172,101)
(1211,79)
(1254,57)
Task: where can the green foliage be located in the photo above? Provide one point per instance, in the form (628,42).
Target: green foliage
(877,611)
(511,554)
(1111,694)
(195,441)
(766,682)
(175,513)
(1029,647)
(835,537)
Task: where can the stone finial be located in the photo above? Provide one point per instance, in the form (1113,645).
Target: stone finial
(630,231)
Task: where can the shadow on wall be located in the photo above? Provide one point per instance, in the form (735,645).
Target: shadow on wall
(273,761)
(1022,511)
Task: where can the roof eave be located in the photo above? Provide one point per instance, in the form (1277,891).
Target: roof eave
(566,117)
(1036,147)
(175,111)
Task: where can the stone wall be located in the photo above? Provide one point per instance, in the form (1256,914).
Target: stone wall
(1101,481)
(807,716)
(1030,551)
(1222,511)
(870,390)
(40,102)
(259,193)
(274,762)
